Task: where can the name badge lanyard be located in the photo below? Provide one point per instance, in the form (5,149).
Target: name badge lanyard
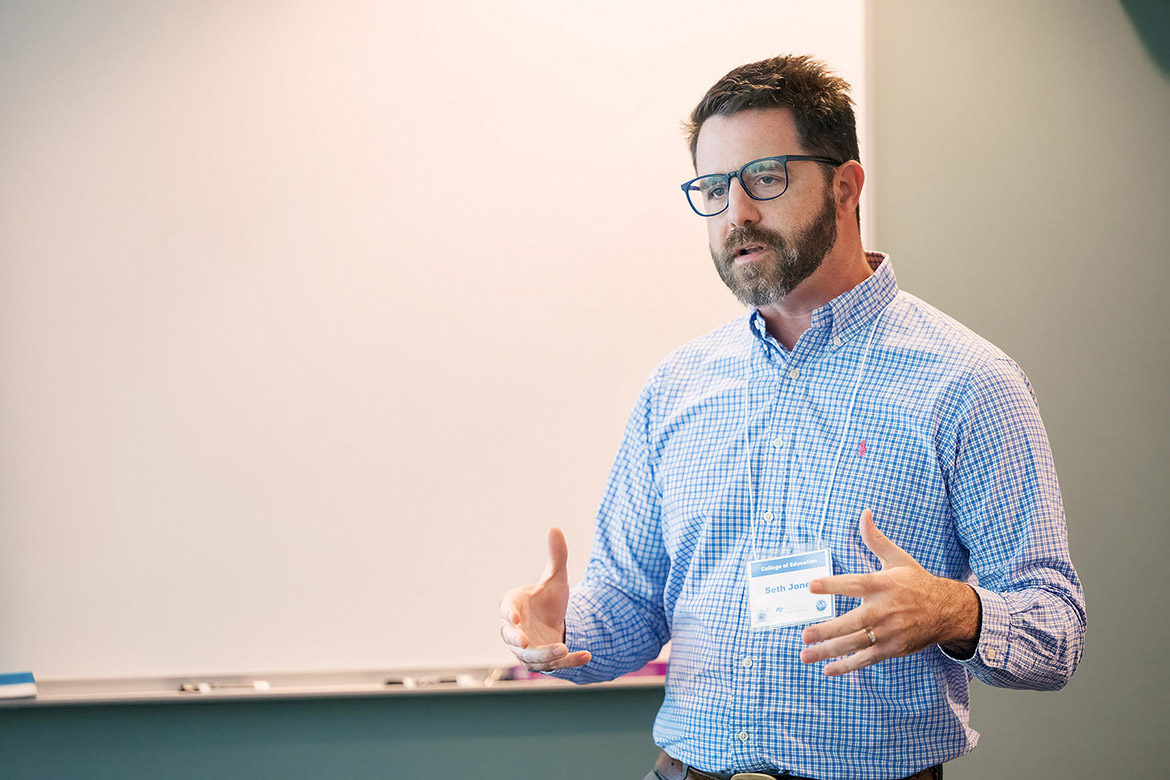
(777,587)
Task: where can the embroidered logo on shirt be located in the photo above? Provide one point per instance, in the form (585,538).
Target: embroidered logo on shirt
(861,448)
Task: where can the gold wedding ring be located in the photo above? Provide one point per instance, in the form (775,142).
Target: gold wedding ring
(872,638)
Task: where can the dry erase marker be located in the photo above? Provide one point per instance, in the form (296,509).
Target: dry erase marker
(434,680)
(208,687)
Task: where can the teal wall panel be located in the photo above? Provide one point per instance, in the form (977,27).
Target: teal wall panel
(575,734)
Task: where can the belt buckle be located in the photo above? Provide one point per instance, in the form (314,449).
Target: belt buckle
(752,776)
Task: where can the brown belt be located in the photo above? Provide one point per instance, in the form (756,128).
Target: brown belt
(671,769)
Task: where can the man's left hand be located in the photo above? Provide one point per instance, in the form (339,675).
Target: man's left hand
(904,609)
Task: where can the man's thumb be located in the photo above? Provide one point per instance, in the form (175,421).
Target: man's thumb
(558,557)
(880,545)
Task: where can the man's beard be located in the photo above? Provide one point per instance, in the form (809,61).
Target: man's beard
(765,280)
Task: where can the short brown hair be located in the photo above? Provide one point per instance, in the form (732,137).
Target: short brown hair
(819,100)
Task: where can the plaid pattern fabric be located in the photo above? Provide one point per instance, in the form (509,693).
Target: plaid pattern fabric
(738,449)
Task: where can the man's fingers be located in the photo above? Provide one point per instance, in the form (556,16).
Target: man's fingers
(547,657)
(566,663)
(853,650)
(844,644)
(513,636)
(512,605)
(558,557)
(541,654)
(850,623)
(579,658)
(856,585)
(880,545)
(851,663)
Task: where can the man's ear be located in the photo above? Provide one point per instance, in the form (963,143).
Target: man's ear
(847,184)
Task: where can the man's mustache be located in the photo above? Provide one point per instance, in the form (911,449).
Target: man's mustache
(740,237)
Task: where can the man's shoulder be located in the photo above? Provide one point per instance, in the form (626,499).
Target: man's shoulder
(717,350)
(923,335)
(921,326)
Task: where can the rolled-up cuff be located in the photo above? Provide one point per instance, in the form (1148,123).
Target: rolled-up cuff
(992,649)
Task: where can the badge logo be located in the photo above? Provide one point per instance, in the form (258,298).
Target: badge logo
(822,605)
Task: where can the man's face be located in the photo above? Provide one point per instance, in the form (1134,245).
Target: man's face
(764,249)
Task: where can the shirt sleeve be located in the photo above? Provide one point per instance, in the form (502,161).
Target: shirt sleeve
(1010,516)
(616,612)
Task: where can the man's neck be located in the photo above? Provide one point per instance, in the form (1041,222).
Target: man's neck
(788,318)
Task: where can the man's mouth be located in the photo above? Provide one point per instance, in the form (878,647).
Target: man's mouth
(747,251)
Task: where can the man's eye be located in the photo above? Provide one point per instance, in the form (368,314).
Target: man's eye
(767,184)
(715,193)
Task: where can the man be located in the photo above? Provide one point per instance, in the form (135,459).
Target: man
(837,508)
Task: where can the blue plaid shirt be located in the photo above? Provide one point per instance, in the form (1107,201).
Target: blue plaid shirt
(730,454)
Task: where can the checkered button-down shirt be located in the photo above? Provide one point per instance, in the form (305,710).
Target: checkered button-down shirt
(738,449)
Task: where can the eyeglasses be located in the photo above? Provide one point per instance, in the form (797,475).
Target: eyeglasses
(762,179)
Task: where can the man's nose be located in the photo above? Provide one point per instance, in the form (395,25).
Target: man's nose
(741,209)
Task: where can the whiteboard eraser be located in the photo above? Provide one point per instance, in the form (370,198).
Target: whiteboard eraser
(19,685)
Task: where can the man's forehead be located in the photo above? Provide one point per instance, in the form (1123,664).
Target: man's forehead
(727,142)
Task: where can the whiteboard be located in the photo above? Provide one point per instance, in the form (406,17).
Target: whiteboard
(315,315)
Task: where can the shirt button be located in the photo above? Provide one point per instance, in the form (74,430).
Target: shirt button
(747,663)
(743,736)
(769,516)
(837,341)
(794,373)
(991,654)
(777,442)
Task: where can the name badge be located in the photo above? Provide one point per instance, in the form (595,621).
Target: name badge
(778,590)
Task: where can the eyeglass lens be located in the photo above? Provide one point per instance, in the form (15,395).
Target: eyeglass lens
(762,179)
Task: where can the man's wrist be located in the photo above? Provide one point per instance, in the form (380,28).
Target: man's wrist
(966,622)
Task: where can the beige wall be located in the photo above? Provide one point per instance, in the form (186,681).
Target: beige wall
(1022,180)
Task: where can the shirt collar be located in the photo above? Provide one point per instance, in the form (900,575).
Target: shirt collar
(851,311)
(848,313)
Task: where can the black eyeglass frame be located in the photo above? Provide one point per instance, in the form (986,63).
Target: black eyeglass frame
(784,159)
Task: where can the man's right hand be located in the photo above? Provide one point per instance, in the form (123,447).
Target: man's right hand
(533,616)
